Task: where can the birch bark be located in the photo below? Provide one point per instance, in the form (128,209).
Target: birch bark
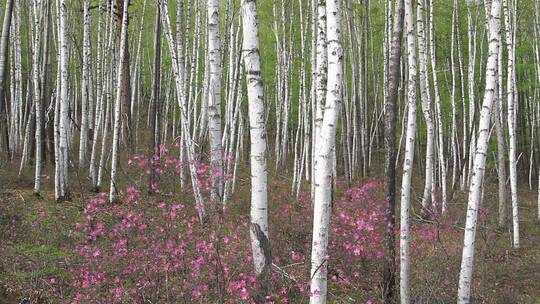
(117,105)
(325,152)
(405,289)
(475,191)
(260,243)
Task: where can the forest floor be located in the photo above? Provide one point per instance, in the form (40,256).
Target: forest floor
(34,232)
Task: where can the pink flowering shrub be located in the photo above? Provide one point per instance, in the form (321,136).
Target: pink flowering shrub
(157,250)
(151,248)
(355,243)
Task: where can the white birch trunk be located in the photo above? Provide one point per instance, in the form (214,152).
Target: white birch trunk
(62,191)
(260,243)
(405,289)
(511,122)
(85,86)
(476,189)
(325,151)
(38,5)
(426,109)
(214,102)
(321,78)
(117,105)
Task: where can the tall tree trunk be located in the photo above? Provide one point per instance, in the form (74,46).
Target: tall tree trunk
(38,5)
(425,95)
(117,105)
(214,102)
(501,150)
(501,166)
(405,289)
(439,117)
(512,109)
(125,86)
(156,90)
(62,164)
(325,155)
(260,242)
(85,86)
(320,81)
(390,153)
(4,43)
(476,189)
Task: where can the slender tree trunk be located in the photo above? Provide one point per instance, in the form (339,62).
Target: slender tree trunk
(476,189)
(156,90)
(320,80)
(501,166)
(117,105)
(125,86)
(425,95)
(4,43)
(453,133)
(38,5)
(85,86)
(405,289)
(62,165)
(440,128)
(214,102)
(390,153)
(510,100)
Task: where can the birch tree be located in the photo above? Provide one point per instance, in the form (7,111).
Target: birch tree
(4,43)
(36,70)
(325,151)
(117,105)
(214,101)
(477,178)
(85,86)
(405,236)
(62,163)
(125,85)
(156,90)
(390,151)
(511,120)
(425,96)
(260,242)
(321,76)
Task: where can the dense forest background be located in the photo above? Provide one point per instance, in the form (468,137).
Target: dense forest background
(271,151)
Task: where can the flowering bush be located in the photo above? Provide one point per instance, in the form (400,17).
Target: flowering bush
(153,248)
